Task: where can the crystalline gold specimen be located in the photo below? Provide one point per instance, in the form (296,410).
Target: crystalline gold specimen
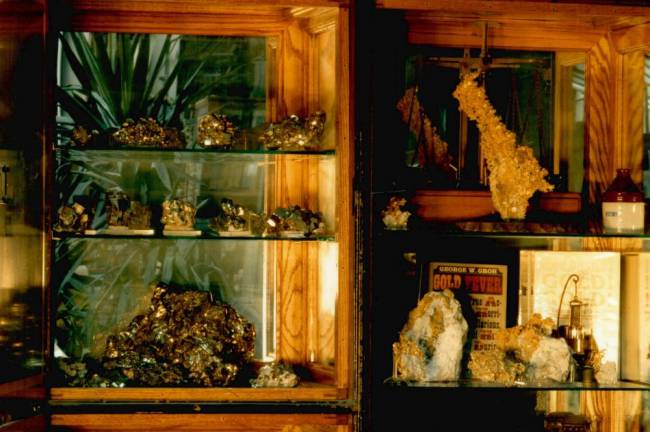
(515,174)
(523,353)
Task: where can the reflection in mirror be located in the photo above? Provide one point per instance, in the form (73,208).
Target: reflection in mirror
(569,120)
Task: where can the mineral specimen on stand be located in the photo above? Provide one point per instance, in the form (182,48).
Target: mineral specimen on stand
(184,338)
(232,218)
(122,212)
(178,214)
(525,353)
(275,375)
(430,346)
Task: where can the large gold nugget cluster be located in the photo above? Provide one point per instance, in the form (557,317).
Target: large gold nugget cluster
(184,338)
(515,173)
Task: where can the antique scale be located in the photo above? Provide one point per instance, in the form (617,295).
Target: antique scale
(482,63)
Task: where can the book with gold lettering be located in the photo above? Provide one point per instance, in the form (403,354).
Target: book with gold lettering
(543,275)
(484,286)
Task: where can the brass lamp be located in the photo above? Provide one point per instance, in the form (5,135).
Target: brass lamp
(578,339)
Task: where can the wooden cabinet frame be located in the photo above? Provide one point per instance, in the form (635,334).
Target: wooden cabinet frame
(297,33)
(613,40)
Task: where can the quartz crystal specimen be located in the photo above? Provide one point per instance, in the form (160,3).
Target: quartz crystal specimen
(295,133)
(393,217)
(515,174)
(275,375)
(146,132)
(525,353)
(430,346)
(216,131)
(185,337)
(178,214)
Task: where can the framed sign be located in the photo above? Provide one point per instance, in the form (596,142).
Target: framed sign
(485,286)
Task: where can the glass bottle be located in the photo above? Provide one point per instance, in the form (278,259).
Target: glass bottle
(623,205)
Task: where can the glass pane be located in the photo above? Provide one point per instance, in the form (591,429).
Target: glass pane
(144,205)
(106,79)
(21,209)
(104,284)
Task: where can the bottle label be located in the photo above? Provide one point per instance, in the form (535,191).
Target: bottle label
(624,217)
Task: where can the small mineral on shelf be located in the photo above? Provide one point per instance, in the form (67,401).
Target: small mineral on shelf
(294,221)
(295,133)
(146,132)
(216,131)
(75,217)
(393,217)
(178,214)
(275,375)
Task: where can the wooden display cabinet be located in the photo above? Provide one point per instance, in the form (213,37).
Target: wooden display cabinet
(610,42)
(299,291)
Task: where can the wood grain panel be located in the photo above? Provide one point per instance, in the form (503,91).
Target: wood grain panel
(600,136)
(292,303)
(347,302)
(631,112)
(632,38)
(306,391)
(612,411)
(178,23)
(201,422)
(570,12)
(30,387)
(509,34)
(21,24)
(32,424)
(15,7)
(180,6)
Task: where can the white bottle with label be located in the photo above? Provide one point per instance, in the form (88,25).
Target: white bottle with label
(623,206)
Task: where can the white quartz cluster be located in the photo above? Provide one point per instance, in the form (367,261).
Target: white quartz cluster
(430,346)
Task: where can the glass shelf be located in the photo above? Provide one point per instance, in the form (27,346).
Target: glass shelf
(204,236)
(472,384)
(425,235)
(154,153)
